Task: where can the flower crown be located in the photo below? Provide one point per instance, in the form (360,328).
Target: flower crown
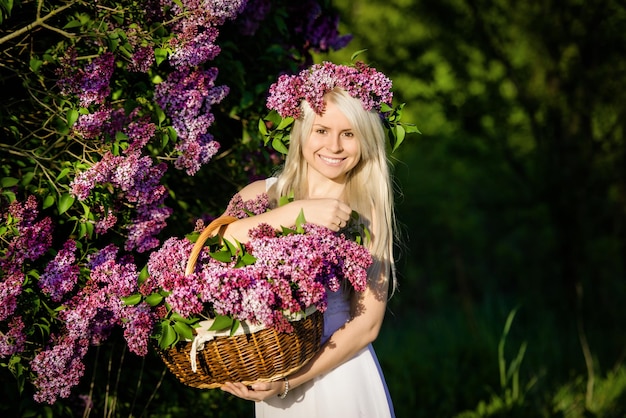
(362,82)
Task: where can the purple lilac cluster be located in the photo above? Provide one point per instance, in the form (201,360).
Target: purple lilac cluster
(250,19)
(59,368)
(291,272)
(137,181)
(317,26)
(187,96)
(13,340)
(88,316)
(91,83)
(239,208)
(31,240)
(61,274)
(189,92)
(362,82)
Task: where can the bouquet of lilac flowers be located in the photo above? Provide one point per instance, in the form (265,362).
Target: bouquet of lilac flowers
(264,282)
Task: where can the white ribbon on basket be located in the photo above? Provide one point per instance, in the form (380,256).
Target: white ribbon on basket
(204,334)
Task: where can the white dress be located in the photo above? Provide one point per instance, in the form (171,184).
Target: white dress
(354,389)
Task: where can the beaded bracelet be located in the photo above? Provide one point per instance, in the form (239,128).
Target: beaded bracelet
(284,394)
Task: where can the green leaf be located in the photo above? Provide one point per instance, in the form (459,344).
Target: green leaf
(248,259)
(175,316)
(35,64)
(154,299)
(183,330)
(47,202)
(143,274)
(7,182)
(262,127)
(287,231)
(65,202)
(27,178)
(279,146)
(160,114)
(9,195)
(160,55)
(399,134)
(221,322)
(132,300)
(72,117)
(168,337)
(384,108)
(223,256)
(285,122)
(63,172)
(73,24)
(234,327)
(300,221)
(234,248)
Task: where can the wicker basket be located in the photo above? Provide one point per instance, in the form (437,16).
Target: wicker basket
(264,355)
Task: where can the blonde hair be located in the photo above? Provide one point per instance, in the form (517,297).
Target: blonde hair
(369,188)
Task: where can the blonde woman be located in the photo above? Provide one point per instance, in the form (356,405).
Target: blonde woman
(336,164)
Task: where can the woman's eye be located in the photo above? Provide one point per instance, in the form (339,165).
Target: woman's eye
(321,131)
(349,134)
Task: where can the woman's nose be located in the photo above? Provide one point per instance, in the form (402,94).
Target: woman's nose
(335,144)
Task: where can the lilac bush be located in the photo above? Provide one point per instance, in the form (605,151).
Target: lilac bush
(116,120)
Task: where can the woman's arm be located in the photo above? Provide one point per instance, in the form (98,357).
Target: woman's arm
(331,213)
(368,310)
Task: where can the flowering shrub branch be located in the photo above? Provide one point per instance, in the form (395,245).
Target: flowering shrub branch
(111,114)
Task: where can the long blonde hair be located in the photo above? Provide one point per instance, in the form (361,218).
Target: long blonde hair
(369,188)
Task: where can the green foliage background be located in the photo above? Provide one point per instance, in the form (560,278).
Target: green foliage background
(513,197)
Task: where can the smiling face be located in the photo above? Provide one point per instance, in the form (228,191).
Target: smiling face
(332,149)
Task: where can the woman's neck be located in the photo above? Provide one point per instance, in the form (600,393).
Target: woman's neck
(326,189)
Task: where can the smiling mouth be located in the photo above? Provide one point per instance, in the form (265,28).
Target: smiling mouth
(331,160)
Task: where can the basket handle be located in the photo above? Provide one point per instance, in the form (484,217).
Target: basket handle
(219,224)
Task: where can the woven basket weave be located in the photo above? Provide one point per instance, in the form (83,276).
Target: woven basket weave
(264,355)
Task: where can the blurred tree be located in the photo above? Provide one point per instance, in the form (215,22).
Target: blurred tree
(520,177)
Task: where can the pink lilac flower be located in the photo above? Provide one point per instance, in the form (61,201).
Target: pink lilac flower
(138,323)
(58,368)
(187,98)
(150,221)
(97,307)
(193,46)
(250,19)
(106,221)
(92,83)
(166,265)
(103,121)
(138,179)
(142,59)
(10,289)
(139,133)
(61,274)
(13,341)
(32,240)
(290,273)
(240,209)
(320,30)
(371,87)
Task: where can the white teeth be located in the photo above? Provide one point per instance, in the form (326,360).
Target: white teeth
(331,160)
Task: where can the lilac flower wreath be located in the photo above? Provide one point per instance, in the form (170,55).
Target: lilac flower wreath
(362,82)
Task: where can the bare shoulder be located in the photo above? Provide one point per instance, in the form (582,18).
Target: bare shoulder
(252,190)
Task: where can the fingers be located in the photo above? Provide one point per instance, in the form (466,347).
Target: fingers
(255,392)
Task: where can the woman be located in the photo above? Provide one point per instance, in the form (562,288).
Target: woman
(336,164)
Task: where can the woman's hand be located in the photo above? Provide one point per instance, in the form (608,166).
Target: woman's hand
(331,213)
(258,391)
